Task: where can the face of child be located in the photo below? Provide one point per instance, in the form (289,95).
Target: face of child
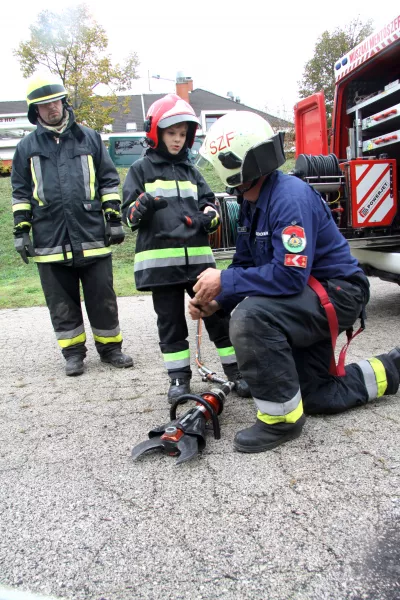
(174,137)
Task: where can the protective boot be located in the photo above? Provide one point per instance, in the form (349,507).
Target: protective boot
(395,357)
(74,365)
(261,437)
(178,387)
(241,387)
(117,359)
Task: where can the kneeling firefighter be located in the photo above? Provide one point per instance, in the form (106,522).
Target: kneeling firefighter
(65,191)
(294,286)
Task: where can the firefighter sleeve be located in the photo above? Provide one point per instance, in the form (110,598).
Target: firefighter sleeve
(108,182)
(132,188)
(206,197)
(284,249)
(21,183)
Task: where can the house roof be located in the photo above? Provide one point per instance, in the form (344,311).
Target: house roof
(134,108)
(13,107)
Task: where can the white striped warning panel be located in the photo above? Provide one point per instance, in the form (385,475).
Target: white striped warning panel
(373,193)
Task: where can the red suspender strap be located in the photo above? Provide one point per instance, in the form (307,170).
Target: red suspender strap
(322,294)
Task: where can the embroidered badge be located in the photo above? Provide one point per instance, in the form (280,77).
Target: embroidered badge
(295,260)
(294,238)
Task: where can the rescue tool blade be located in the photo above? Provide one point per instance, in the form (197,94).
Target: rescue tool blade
(154,443)
(188,446)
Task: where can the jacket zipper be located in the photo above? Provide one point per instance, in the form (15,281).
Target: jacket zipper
(181,204)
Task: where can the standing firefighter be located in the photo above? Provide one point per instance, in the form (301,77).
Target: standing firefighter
(65,188)
(292,281)
(167,200)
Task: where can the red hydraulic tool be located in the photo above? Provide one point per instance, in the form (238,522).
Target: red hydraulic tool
(186,436)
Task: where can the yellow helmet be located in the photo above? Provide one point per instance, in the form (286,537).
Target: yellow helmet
(42,89)
(241,146)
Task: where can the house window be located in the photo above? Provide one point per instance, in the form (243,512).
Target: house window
(210,120)
(131,127)
(209,117)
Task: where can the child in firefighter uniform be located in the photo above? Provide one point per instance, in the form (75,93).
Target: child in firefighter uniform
(65,189)
(294,286)
(167,200)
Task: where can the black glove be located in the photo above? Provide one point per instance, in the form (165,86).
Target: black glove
(144,208)
(189,227)
(208,221)
(23,245)
(115,233)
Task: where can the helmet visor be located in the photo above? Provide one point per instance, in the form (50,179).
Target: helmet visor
(173,120)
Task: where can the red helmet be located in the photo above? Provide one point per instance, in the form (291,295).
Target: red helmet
(167,111)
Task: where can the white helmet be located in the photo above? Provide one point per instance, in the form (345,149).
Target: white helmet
(241,146)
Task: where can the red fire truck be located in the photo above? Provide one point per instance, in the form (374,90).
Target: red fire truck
(358,172)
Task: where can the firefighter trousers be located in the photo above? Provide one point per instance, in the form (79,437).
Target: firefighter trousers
(169,305)
(284,349)
(60,285)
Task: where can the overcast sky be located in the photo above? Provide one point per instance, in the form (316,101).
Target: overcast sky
(253,48)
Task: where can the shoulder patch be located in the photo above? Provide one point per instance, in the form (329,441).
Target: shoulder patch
(294,238)
(295,260)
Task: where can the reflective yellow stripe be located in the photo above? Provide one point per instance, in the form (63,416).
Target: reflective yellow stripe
(75,340)
(380,375)
(35,184)
(21,207)
(159,183)
(96,252)
(23,224)
(108,197)
(52,257)
(91,176)
(108,340)
(291,417)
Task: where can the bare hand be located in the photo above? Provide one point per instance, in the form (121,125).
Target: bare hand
(198,312)
(208,286)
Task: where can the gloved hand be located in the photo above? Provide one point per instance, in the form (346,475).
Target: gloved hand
(115,233)
(144,208)
(189,227)
(207,221)
(23,245)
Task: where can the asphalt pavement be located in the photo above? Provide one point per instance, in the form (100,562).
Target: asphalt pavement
(315,519)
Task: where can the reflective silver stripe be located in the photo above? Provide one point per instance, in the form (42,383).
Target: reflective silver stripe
(106,332)
(228,360)
(152,263)
(68,335)
(55,250)
(21,201)
(38,193)
(86,176)
(369,379)
(91,245)
(111,190)
(278,409)
(166,193)
(177,364)
(188,193)
(202,258)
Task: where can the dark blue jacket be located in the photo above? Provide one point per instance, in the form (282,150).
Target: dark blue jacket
(286,236)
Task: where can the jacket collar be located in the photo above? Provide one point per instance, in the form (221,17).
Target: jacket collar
(158,159)
(73,127)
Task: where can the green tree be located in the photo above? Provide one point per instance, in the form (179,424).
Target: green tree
(72,46)
(319,72)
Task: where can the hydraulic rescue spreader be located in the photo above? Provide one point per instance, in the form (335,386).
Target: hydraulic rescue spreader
(185,436)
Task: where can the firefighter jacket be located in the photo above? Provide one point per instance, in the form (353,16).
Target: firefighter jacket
(160,262)
(288,235)
(61,186)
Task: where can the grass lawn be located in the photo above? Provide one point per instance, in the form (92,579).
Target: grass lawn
(20,283)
